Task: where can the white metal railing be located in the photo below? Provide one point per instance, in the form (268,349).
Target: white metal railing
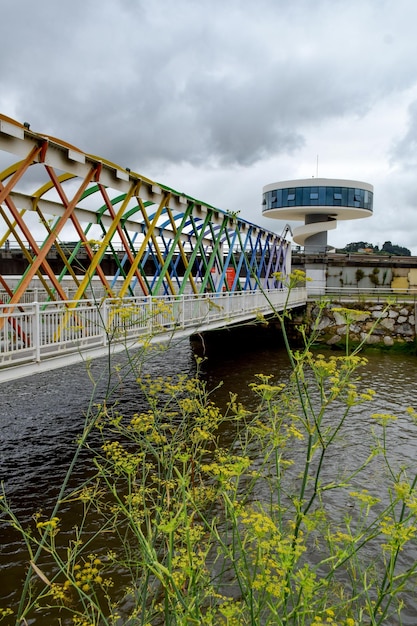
(33,332)
(351,292)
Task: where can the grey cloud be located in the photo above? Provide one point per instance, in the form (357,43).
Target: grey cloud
(187,82)
(213,84)
(404,151)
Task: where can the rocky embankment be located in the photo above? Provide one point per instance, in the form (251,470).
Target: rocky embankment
(375,323)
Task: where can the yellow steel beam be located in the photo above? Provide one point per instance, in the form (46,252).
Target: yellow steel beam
(25,252)
(134,189)
(140,252)
(41,253)
(156,246)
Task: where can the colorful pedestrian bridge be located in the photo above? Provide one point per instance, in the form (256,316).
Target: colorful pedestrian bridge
(106,257)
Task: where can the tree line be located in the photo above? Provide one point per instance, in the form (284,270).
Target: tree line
(388,248)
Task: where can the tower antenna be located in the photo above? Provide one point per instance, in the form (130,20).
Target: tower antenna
(317,167)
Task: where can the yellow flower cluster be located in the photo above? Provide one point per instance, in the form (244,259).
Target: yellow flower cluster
(60,592)
(232,610)
(339,537)
(334,377)
(335,365)
(226,465)
(189,559)
(295,278)
(142,422)
(124,462)
(123,316)
(86,576)
(261,524)
(79,620)
(411,411)
(349,314)
(136,503)
(293,431)
(366,499)
(397,533)
(265,390)
(328,619)
(52,525)
(89,573)
(162,314)
(384,418)
(407,494)
(272,554)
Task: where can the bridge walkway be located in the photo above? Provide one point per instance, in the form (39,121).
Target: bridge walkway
(37,337)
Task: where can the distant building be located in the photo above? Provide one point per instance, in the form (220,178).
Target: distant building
(320,202)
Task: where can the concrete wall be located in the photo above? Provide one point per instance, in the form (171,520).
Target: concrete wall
(359,276)
(370,277)
(361,271)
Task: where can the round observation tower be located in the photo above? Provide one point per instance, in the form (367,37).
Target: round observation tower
(320,202)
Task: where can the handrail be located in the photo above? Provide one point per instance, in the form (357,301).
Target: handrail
(378,293)
(37,332)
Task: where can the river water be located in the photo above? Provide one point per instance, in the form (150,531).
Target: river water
(41,417)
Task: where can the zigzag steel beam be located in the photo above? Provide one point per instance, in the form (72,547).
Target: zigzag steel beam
(178,238)
(163,267)
(120,231)
(50,154)
(25,253)
(198,247)
(66,261)
(41,255)
(145,242)
(51,207)
(106,240)
(243,259)
(66,158)
(16,139)
(37,262)
(19,171)
(230,261)
(178,241)
(58,187)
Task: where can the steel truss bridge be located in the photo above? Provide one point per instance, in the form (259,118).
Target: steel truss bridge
(107,253)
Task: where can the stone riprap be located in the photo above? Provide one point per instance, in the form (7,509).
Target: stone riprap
(372,322)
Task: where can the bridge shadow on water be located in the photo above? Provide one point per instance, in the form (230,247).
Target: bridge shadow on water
(234,357)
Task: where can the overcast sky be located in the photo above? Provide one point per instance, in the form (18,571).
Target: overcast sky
(217,98)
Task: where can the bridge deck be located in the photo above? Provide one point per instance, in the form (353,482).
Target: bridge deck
(37,337)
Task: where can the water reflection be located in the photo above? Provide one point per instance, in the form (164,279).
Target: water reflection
(41,417)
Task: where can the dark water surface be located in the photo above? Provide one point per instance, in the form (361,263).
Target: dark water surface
(41,417)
